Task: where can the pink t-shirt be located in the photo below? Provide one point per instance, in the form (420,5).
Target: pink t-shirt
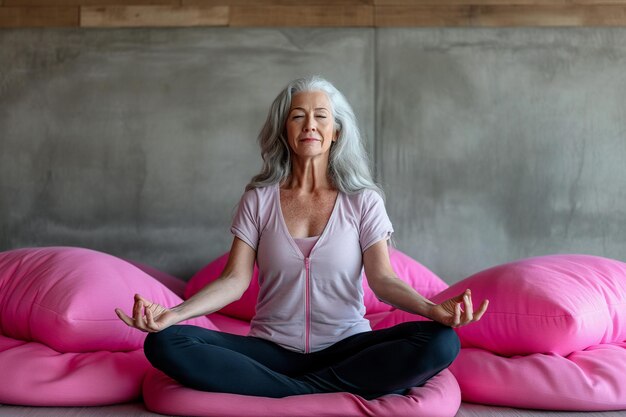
(307,303)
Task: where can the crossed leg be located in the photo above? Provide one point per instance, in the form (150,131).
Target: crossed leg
(369,364)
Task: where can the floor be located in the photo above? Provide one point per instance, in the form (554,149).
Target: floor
(138,410)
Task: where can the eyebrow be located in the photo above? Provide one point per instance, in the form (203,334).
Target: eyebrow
(301,108)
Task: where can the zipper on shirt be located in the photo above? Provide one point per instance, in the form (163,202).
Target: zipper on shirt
(307,304)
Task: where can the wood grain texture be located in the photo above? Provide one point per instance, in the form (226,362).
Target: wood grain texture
(494,2)
(155,16)
(19,17)
(318,16)
(48,3)
(294,3)
(500,16)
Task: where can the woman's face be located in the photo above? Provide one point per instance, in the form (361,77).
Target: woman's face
(310,124)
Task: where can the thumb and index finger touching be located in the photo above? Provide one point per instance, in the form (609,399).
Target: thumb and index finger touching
(140,303)
(464,300)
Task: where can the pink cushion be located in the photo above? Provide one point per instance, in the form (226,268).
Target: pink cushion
(34,374)
(556,303)
(552,338)
(418,276)
(440,396)
(589,380)
(229,324)
(65,298)
(57,317)
(174,284)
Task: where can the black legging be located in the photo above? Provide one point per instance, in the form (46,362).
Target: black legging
(369,364)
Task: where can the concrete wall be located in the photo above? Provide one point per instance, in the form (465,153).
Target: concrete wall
(492,144)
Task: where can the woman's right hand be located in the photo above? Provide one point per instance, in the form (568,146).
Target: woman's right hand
(148,316)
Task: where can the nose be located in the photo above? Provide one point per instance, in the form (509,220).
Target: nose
(309,125)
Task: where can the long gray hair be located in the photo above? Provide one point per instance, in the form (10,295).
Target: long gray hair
(348,162)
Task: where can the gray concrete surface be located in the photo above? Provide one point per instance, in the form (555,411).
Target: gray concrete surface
(139,142)
(500,144)
(492,144)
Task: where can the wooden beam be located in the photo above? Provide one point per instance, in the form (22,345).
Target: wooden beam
(500,16)
(294,3)
(317,16)
(153,16)
(20,17)
(496,2)
(49,3)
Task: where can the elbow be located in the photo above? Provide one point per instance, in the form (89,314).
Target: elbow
(377,288)
(383,289)
(239,294)
(238,287)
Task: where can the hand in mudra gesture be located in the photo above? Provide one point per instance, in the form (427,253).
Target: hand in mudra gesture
(458,311)
(148,316)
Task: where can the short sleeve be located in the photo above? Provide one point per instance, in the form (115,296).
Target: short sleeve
(245,224)
(375,224)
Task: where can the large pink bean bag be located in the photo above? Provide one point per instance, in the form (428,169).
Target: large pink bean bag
(553,336)
(438,397)
(61,342)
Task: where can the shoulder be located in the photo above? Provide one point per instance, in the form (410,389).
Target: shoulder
(258,194)
(258,199)
(365,199)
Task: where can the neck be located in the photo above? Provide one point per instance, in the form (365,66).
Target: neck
(309,175)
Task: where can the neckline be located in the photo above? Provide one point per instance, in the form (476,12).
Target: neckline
(283,223)
(306,238)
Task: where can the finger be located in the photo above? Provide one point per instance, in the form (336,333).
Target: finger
(459,298)
(124,317)
(457,315)
(150,319)
(138,319)
(468,314)
(143,300)
(481,310)
(137,307)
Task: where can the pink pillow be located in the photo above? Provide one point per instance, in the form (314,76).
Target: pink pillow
(65,298)
(34,374)
(411,271)
(439,397)
(59,334)
(557,303)
(230,324)
(174,284)
(590,379)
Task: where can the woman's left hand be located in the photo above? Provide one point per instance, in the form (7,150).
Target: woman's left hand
(458,311)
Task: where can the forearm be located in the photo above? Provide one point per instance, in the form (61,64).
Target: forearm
(211,298)
(401,295)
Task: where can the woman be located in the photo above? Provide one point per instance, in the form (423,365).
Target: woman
(312,219)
